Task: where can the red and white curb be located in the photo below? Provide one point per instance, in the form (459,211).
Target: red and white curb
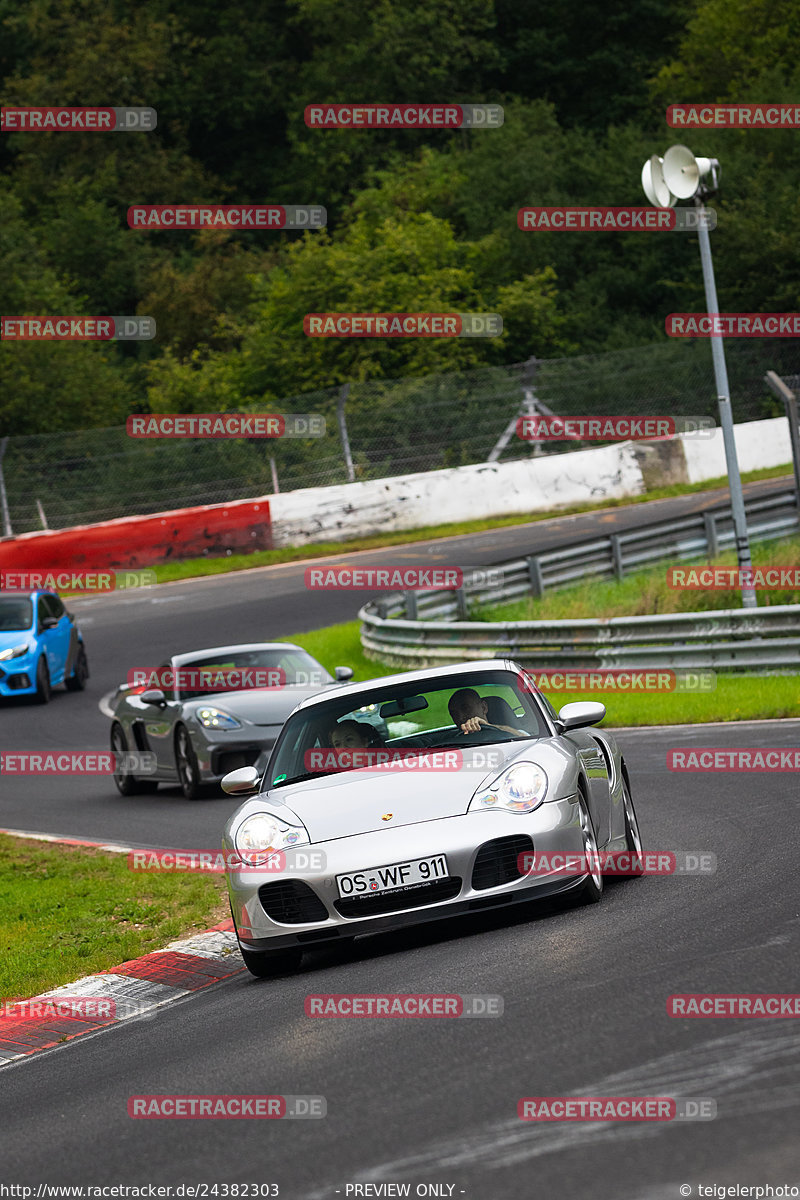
(110,847)
(138,987)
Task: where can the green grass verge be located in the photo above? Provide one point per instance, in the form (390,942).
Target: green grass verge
(195,567)
(646,592)
(736,697)
(68,911)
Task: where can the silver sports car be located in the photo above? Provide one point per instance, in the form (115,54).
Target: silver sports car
(455,809)
(203,714)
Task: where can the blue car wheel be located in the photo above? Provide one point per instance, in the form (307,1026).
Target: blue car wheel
(80,672)
(42,681)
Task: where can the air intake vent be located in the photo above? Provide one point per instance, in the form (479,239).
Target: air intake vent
(497,861)
(291,902)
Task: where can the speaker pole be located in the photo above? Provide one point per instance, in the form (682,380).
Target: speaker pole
(749,599)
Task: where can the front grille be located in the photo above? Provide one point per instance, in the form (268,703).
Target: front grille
(387,902)
(291,902)
(497,861)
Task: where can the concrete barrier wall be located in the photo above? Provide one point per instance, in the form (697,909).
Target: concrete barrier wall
(404,502)
(759,444)
(458,494)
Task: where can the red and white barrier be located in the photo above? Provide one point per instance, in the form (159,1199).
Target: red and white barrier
(210,529)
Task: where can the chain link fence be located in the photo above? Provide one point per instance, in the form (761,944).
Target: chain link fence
(374,430)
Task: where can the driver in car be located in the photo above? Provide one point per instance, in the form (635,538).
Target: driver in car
(470,712)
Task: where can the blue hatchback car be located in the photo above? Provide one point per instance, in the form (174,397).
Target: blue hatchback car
(40,646)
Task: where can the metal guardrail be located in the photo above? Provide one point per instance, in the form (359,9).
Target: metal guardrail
(418,629)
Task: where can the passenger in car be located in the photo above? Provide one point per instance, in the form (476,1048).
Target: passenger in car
(354,735)
(470,712)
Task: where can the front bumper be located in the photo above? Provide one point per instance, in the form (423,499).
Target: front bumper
(554,827)
(18,676)
(216,758)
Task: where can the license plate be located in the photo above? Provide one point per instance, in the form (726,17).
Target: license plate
(395,877)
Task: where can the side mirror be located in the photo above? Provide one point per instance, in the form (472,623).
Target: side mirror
(48,622)
(238,783)
(343,673)
(580,714)
(153,696)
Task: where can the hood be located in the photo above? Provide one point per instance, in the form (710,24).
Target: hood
(15,637)
(352,802)
(259,706)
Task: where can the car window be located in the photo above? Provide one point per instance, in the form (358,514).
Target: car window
(46,608)
(16,612)
(409,717)
(55,606)
(232,671)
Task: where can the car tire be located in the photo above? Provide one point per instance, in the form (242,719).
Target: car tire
(80,672)
(267,965)
(128,785)
(186,765)
(591,890)
(43,689)
(633,838)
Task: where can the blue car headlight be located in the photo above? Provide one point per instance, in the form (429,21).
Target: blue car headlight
(261,835)
(215,718)
(14,652)
(520,789)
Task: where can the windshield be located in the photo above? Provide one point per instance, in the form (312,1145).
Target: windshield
(16,612)
(246,670)
(496,706)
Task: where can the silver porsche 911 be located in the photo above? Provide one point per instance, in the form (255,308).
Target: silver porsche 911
(202,714)
(452,810)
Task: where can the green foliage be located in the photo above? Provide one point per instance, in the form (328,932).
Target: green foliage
(417,221)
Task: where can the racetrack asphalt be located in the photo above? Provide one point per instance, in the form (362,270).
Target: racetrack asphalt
(433,1102)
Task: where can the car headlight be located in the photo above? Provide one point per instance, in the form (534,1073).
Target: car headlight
(519,789)
(215,718)
(14,652)
(261,835)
